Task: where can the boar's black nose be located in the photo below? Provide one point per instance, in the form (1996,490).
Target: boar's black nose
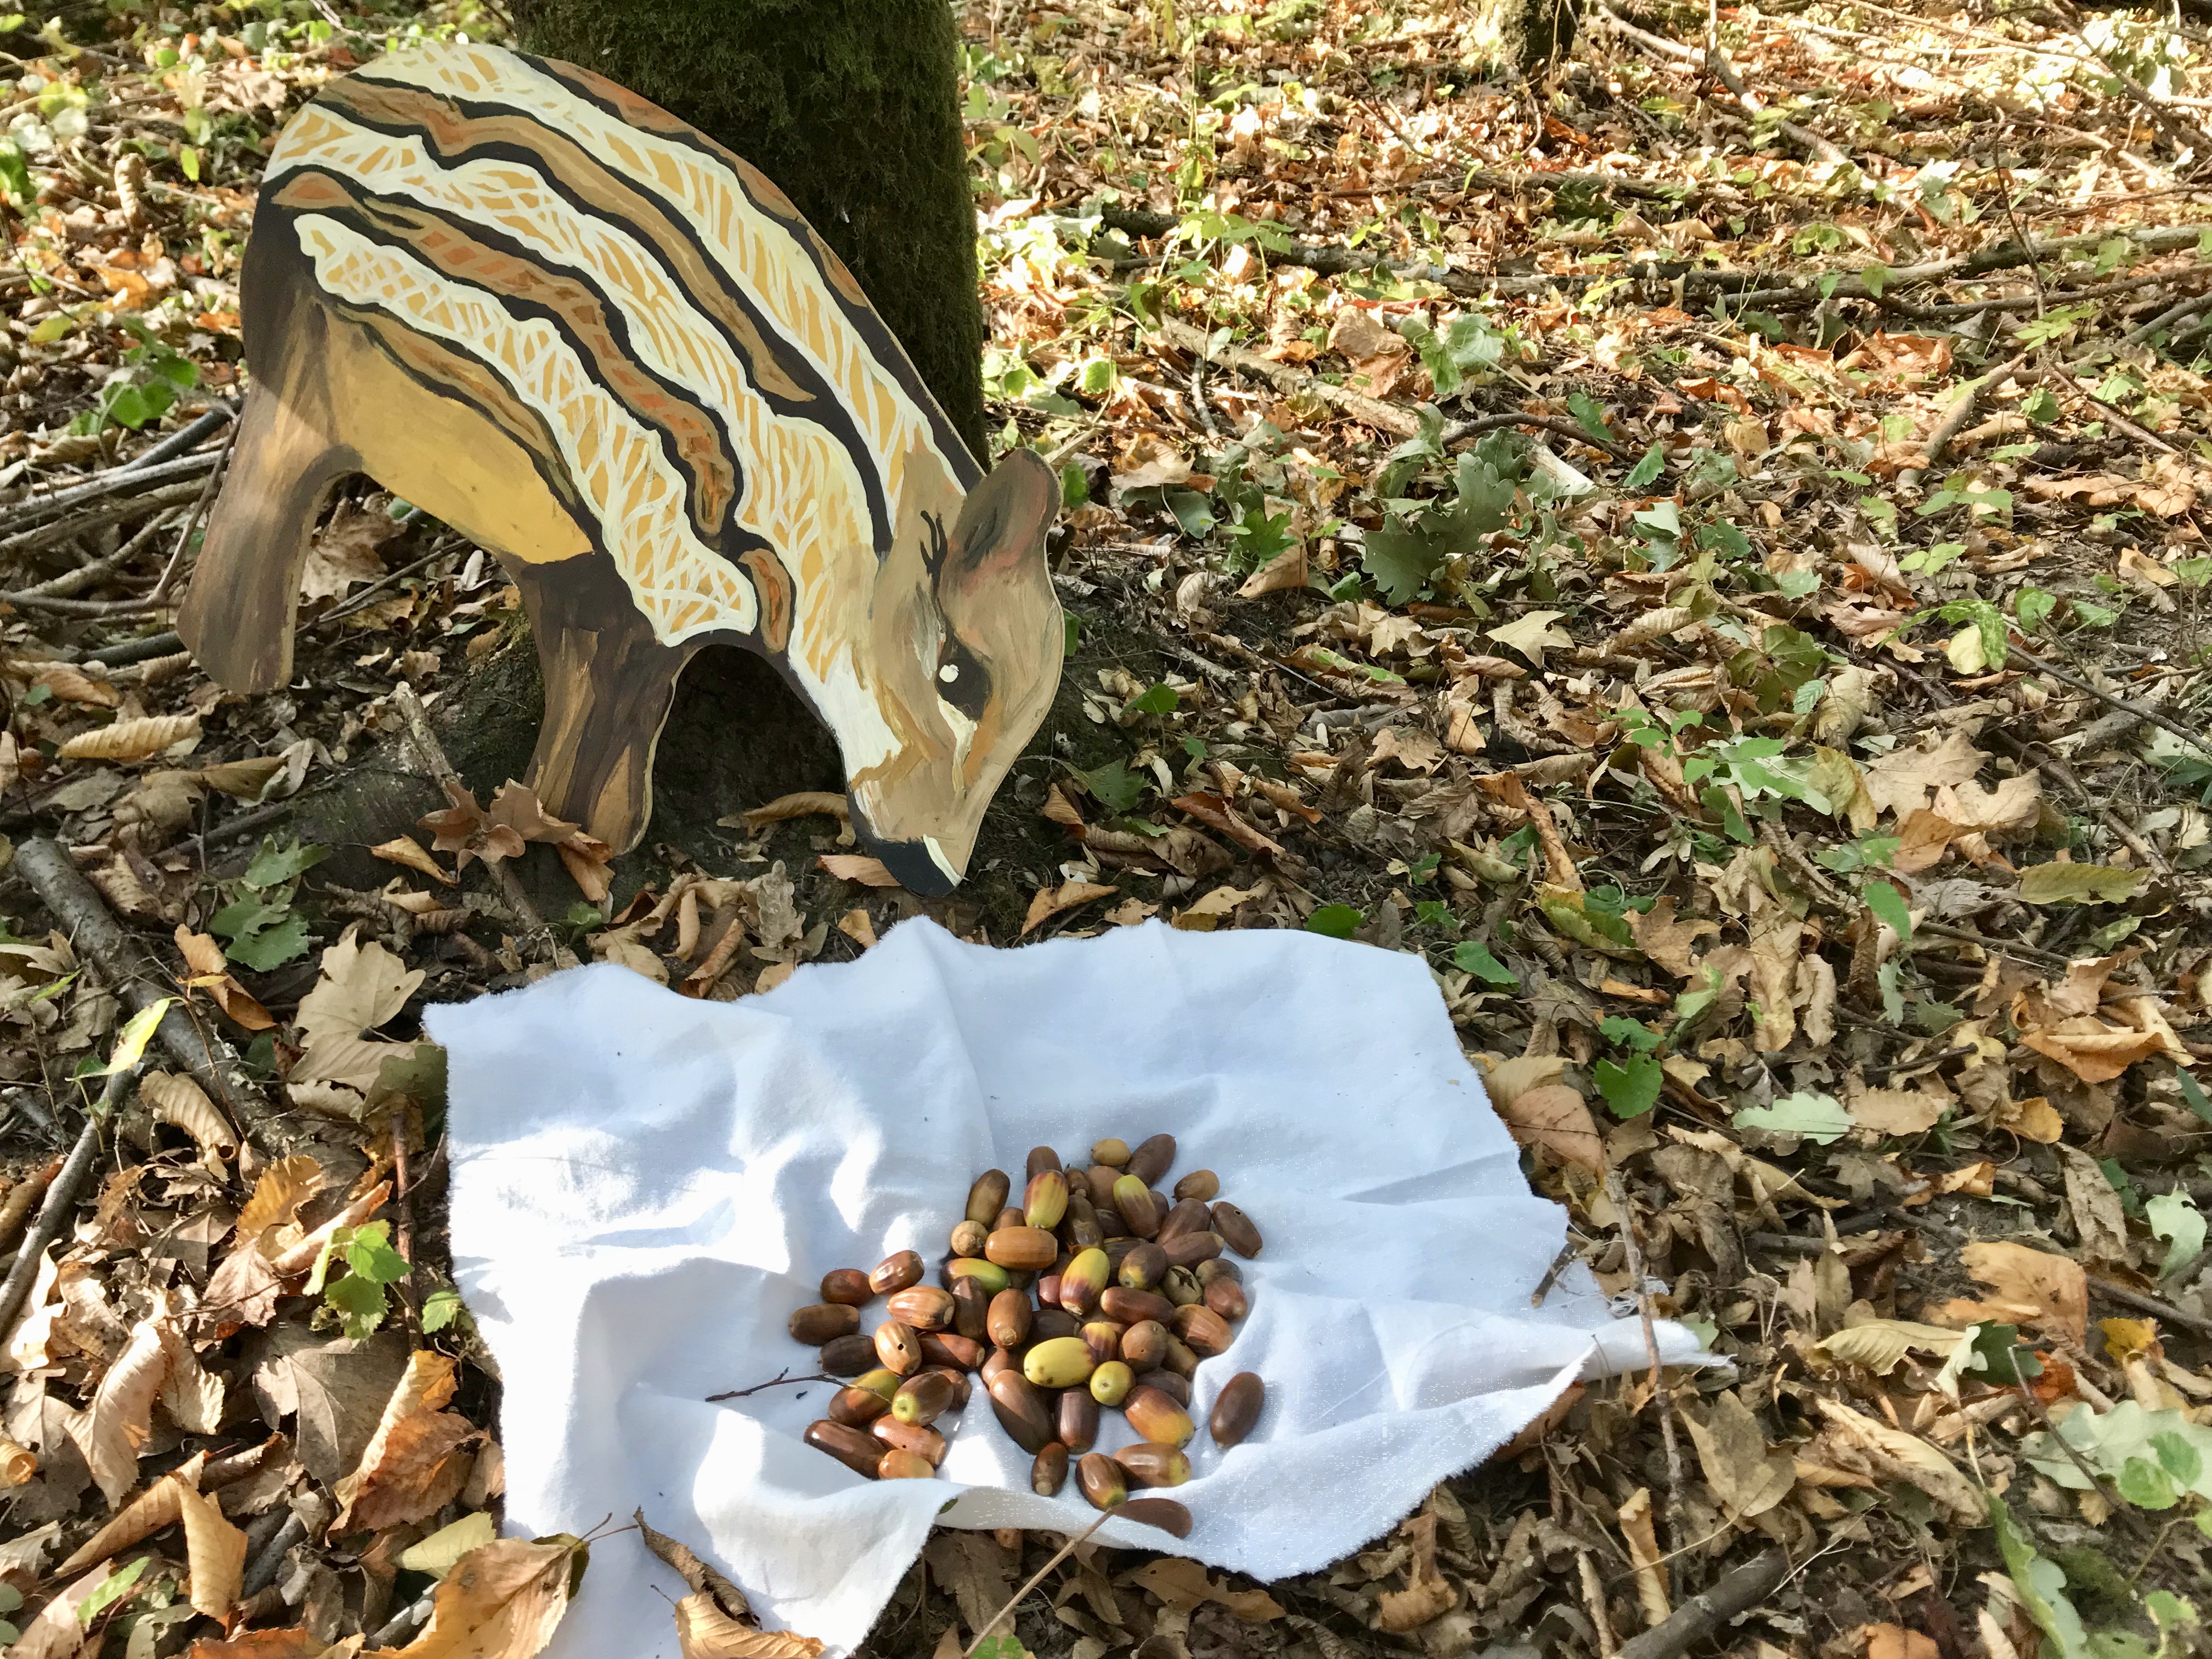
(917,870)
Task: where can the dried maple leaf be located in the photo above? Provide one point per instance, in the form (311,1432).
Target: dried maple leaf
(361,987)
(131,740)
(502,1601)
(466,830)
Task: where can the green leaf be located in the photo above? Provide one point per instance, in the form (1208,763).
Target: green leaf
(1589,415)
(1646,469)
(1002,1647)
(1192,512)
(440,1309)
(1474,958)
(1154,700)
(360,1303)
(369,1255)
(131,1042)
(1625,1033)
(2193,1093)
(267,947)
(1816,1117)
(1889,907)
(1999,1355)
(112,1590)
(1336,920)
(1113,785)
(2032,607)
(2078,883)
(2145,1485)
(1877,278)
(2179,1459)
(1630,1090)
(2040,1583)
(1401,559)
(275,865)
(2174,1217)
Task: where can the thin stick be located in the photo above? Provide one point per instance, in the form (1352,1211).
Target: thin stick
(782,1379)
(2051,1432)
(192,519)
(2141,711)
(536,937)
(62,1197)
(1037,1579)
(1733,1593)
(1961,412)
(2144,1302)
(406,1228)
(1634,1251)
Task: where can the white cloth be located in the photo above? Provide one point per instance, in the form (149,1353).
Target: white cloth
(645,1187)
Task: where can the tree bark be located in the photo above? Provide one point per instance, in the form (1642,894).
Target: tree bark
(853,107)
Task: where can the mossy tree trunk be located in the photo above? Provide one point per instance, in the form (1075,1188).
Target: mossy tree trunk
(853,107)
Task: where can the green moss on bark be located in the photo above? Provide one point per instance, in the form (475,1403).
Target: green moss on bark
(853,107)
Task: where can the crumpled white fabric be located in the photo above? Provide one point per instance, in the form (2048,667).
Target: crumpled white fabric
(645,1187)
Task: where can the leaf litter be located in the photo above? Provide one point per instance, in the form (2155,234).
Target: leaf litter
(1718,573)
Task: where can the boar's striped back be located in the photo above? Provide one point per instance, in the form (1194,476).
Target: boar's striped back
(697,379)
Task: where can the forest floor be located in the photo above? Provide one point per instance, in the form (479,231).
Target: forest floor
(1706,546)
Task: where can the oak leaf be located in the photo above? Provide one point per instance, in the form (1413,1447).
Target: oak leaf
(2026,1287)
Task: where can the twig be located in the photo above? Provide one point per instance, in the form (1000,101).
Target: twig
(62,1197)
(357,601)
(1035,1578)
(1964,936)
(1735,1593)
(2140,710)
(2050,1430)
(107,513)
(128,965)
(1961,413)
(192,519)
(1633,1249)
(128,480)
(85,575)
(16,1208)
(398,1627)
(1462,430)
(2159,1307)
(782,1379)
(402,1198)
(536,937)
(1552,1275)
(184,438)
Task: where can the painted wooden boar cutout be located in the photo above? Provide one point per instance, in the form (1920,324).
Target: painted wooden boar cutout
(601,346)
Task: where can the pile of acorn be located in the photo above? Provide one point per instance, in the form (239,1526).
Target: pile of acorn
(1098,1291)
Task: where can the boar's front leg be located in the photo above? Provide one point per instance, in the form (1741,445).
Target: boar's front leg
(609,684)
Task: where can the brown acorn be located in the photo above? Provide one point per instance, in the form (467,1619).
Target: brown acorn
(987,1196)
(1143,1267)
(1104,1337)
(1145,1344)
(824,1322)
(857,1408)
(1188,1216)
(1219,1268)
(1032,1249)
(998,1359)
(1237,1229)
(958,1381)
(899,1346)
(1008,1320)
(848,1356)
(1040,1159)
(1082,1282)
(924,1307)
(1147,1464)
(1048,1290)
(895,1272)
(950,1348)
(1021,1412)
(1180,1360)
(1049,1322)
(1206,1331)
(1139,1210)
(1226,1298)
(1130,1307)
(1049,1472)
(909,1437)
(1079,1226)
(1009,1217)
(1237,1408)
(846,1285)
(1203,1185)
(922,1399)
(1157,1417)
(1152,1159)
(1192,1249)
(971,1306)
(1170,1384)
(1077,1415)
(1104,1482)
(854,1447)
(897,1465)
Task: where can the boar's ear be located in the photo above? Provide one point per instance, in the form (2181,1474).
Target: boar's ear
(1001,525)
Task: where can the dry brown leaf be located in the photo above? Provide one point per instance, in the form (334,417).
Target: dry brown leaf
(1049,902)
(805,802)
(2100,1226)
(703,1630)
(590,864)
(1507,787)
(1747,1476)
(464,830)
(243,779)
(182,1104)
(1642,1536)
(210,972)
(502,1601)
(1184,1584)
(131,740)
(1286,570)
(407,851)
(1890,1452)
(115,1426)
(299,1257)
(282,1187)
(71,684)
(855,925)
(409,1459)
(17,1464)
(2026,1287)
(293,1644)
(1555,1117)
(56,1632)
(157,1507)
(1895,1641)
(1665,941)
(858,866)
(1896,1111)
(215,1551)
(191,1394)
(2092,1050)
(1909,778)
(344,551)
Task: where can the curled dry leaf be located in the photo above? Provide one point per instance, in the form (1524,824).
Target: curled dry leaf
(209,971)
(703,1630)
(407,851)
(295,1643)
(56,1632)
(806,803)
(114,1427)
(282,1187)
(503,1601)
(413,1465)
(1049,902)
(68,683)
(244,778)
(17,1464)
(182,1104)
(589,863)
(191,1394)
(133,739)
(858,866)
(215,1551)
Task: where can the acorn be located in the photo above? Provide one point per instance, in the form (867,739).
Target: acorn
(909,1437)
(857,1408)
(1099,1179)
(1175,1386)
(1008,1320)
(1237,1229)
(1049,1472)
(1110,1382)
(1042,1158)
(1060,1361)
(1110,1152)
(1009,1217)
(1164,1513)
(1077,1415)
(987,1196)
(1104,1482)
(1143,1267)
(1206,1331)
(1225,1297)
(967,1239)
(899,1346)
(1237,1408)
(922,1399)
(878,1380)
(846,1285)
(895,1465)
(1181,1287)
(1079,1226)
(998,1359)
(1049,1322)
(1219,1268)
(1029,1249)
(1021,1411)
(894,1272)
(952,1349)
(1189,1215)
(1150,1465)
(1133,1200)
(1145,1344)
(848,1356)
(924,1307)
(1192,1249)
(854,1447)
(1046,1199)
(1130,1307)
(957,1380)
(1048,1290)
(1203,1185)
(1082,1282)
(824,1322)
(1104,1338)
(1157,1417)
(989,1274)
(1180,1360)
(971,1306)
(1152,1159)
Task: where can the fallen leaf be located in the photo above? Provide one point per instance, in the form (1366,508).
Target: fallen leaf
(17,1464)
(437,1554)
(115,1425)
(503,1601)
(1286,571)
(242,778)
(1532,634)
(1909,778)
(703,1630)
(157,1507)
(2092,1050)
(807,802)
(182,1104)
(2078,883)
(1641,1535)
(1748,1476)
(2100,1226)
(344,552)
(131,740)
(1896,1111)
(1879,1344)
(859,867)
(407,851)
(1049,902)
(215,1550)
(2026,1287)
(56,1632)
(69,682)
(210,971)
(1888,1452)
(1895,1641)
(412,1466)
(1184,1584)
(1667,940)
(293,1644)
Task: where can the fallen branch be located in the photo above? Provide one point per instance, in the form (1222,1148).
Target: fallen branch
(2141,711)
(536,937)
(2157,1307)
(782,1379)
(1963,407)
(1632,1251)
(98,518)
(62,1198)
(132,968)
(1735,1593)
(117,481)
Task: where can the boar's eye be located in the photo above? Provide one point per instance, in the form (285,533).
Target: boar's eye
(962,682)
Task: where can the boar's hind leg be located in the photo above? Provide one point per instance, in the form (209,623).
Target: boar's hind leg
(237,617)
(609,684)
